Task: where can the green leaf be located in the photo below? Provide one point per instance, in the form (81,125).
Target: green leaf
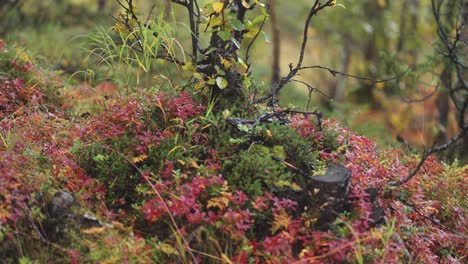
(211,82)
(210,50)
(219,70)
(241,63)
(237,25)
(221,82)
(238,45)
(197,76)
(266,36)
(258,19)
(224,35)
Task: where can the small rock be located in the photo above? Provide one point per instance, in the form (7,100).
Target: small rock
(89,221)
(60,204)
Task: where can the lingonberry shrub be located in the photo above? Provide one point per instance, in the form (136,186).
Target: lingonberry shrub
(23,83)
(157,163)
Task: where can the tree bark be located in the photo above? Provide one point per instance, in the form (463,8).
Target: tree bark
(376,42)
(275,66)
(443,105)
(414,25)
(102,5)
(167,9)
(464,35)
(338,92)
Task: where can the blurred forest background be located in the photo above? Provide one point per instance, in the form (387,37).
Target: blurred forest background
(379,39)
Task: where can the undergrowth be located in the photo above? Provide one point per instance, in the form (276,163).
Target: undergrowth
(172,182)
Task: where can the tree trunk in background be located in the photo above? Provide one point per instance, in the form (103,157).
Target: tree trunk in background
(414,26)
(339,90)
(464,35)
(102,5)
(402,36)
(275,66)
(406,30)
(167,9)
(443,104)
(443,99)
(376,42)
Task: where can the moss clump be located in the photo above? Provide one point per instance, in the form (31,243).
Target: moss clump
(254,170)
(276,157)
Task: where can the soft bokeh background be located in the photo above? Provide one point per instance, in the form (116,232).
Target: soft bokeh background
(378,39)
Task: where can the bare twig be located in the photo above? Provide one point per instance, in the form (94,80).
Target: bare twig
(335,72)
(316,7)
(428,153)
(420,100)
(431,219)
(450,45)
(251,44)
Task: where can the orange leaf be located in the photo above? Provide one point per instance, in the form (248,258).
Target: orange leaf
(282,220)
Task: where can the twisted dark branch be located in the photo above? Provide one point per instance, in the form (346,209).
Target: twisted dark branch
(311,88)
(193,29)
(427,153)
(451,54)
(279,115)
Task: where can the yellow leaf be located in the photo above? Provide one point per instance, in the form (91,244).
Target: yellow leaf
(139,158)
(220,202)
(282,220)
(118,225)
(199,85)
(226,63)
(94,230)
(251,33)
(119,28)
(193,164)
(380,85)
(216,21)
(189,66)
(218,7)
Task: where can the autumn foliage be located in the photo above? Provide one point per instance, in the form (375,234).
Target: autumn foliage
(155,168)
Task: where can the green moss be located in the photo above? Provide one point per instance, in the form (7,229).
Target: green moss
(255,171)
(279,152)
(261,166)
